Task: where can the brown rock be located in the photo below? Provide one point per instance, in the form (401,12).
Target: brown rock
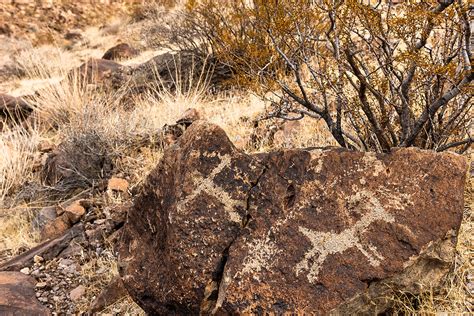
(78,292)
(73,36)
(94,71)
(170,133)
(188,117)
(56,228)
(47,250)
(111,294)
(13,110)
(45,146)
(17,295)
(293,231)
(117,184)
(184,68)
(45,216)
(120,51)
(74,212)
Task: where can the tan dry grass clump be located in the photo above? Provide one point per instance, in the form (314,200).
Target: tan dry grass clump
(18,148)
(16,234)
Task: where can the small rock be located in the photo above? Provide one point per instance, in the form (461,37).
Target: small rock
(44,216)
(38,259)
(25,270)
(73,36)
(94,71)
(77,293)
(109,295)
(118,184)
(65,262)
(41,285)
(188,117)
(13,110)
(120,51)
(100,221)
(43,299)
(75,211)
(55,228)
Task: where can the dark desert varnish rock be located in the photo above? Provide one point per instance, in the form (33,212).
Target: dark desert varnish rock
(95,71)
(17,295)
(309,231)
(120,51)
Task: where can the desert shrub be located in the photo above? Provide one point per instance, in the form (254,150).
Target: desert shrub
(379,75)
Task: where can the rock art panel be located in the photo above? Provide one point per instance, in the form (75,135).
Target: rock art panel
(217,231)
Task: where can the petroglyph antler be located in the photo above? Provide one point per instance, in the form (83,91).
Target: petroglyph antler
(207,184)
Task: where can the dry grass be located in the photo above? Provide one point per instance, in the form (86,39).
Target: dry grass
(18,148)
(125,306)
(43,62)
(16,234)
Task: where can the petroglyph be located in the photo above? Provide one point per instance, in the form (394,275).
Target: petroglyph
(261,253)
(206,184)
(325,244)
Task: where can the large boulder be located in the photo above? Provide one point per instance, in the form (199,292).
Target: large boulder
(304,231)
(17,295)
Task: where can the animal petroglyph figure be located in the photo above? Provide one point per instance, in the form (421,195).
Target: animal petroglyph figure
(327,243)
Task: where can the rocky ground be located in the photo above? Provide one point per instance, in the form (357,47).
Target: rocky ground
(83,124)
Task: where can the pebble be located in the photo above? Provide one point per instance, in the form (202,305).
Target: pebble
(25,270)
(77,293)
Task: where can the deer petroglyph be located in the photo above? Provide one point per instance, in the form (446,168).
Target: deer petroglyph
(324,244)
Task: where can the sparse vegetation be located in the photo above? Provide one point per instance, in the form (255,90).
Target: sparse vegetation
(353,75)
(379,75)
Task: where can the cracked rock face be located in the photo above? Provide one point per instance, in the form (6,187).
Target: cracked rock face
(217,231)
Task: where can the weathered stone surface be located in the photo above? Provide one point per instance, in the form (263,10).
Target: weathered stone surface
(94,71)
(109,295)
(17,295)
(77,293)
(48,250)
(55,228)
(44,216)
(120,51)
(181,70)
(188,117)
(117,184)
(295,231)
(74,212)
